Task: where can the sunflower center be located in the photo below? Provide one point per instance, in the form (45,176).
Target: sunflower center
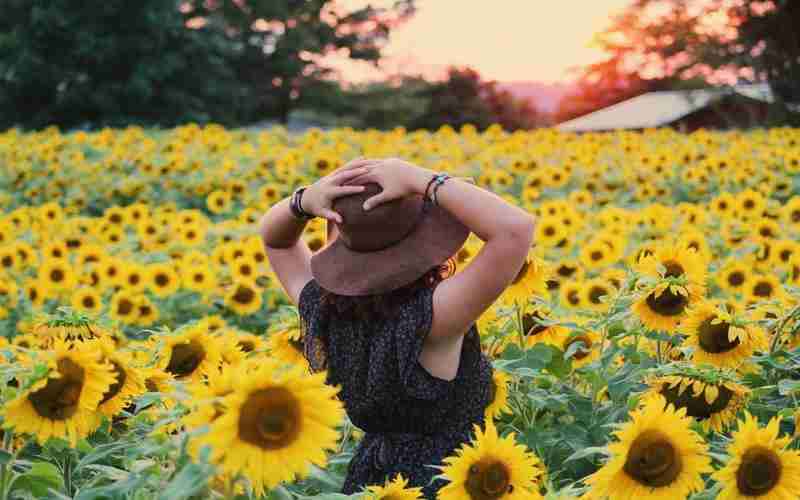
(297,344)
(762,289)
(652,460)
(595,293)
(759,472)
(673,269)
(573,297)
(530,324)
(736,278)
(244,295)
(246,345)
(57,275)
(114,388)
(270,419)
(566,271)
(58,400)
(488,481)
(162,280)
(124,307)
(584,351)
(186,358)
(668,303)
(714,338)
(522,272)
(88,302)
(696,406)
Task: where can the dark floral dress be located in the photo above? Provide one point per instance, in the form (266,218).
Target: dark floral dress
(411,419)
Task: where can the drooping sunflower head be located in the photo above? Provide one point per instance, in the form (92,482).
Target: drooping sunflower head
(663,306)
(129,383)
(584,344)
(499,395)
(760,465)
(63,404)
(656,453)
(713,405)
(491,467)
(396,489)
(530,281)
(538,325)
(279,421)
(720,338)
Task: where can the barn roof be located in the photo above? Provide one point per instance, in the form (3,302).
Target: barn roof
(656,109)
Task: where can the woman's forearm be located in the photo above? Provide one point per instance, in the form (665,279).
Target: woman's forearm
(483,212)
(279,228)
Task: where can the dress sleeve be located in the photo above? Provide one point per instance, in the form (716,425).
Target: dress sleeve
(414,325)
(313,343)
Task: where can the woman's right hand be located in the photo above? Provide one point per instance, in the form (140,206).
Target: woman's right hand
(318,198)
(397,179)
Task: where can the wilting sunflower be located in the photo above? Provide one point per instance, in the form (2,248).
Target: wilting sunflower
(530,280)
(491,467)
(189,355)
(534,330)
(286,344)
(760,465)
(64,404)
(714,406)
(499,392)
(244,297)
(396,489)
(656,456)
(279,421)
(720,338)
(129,383)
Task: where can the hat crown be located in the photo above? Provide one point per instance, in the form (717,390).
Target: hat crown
(381,226)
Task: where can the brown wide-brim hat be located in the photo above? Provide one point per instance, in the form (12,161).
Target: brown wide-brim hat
(386,247)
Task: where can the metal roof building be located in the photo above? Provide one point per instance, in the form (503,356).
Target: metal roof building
(657,109)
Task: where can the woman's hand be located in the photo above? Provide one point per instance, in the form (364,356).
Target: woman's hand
(318,198)
(397,178)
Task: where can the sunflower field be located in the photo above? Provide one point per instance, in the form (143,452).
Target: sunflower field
(648,348)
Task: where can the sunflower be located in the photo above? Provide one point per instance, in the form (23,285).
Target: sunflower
(763,287)
(734,276)
(675,261)
(129,383)
(219,201)
(657,455)
(570,294)
(206,396)
(596,294)
(277,422)
(244,297)
(396,489)
(663,306)
(585,353)
(720,338)
(124,308)
(533,329)
(286,345)
(57,274)
(499,392)
(760,465)
(146,312)
(87,299)
(198,278)
(189,355)
(491,467)
(162,279)
(63,404)
(714,405)
(530,280)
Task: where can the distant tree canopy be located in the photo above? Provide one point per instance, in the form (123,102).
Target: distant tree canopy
(655,44)
(116,62)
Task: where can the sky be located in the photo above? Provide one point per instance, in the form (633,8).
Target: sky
(505,40)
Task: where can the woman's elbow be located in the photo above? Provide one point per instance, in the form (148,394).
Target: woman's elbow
(520,231)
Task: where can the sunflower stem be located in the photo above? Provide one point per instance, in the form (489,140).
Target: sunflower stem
(5,467)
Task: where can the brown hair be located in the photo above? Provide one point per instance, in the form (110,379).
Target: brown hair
(381,306)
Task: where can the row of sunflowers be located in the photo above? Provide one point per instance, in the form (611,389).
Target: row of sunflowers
(648,348)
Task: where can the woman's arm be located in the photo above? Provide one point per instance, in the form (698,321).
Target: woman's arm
(506,230)
(280,230)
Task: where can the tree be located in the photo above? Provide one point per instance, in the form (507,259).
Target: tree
(281,44)
(110,62)
(722,41)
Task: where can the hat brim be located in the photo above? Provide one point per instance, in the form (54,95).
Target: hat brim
(343,271)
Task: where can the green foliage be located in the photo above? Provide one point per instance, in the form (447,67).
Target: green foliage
(110,62)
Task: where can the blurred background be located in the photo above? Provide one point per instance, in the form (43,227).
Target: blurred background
(576,64)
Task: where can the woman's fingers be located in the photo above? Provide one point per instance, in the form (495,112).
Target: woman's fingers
(376,200)
(347,175)
(345,190)
(353,164)
(329,214)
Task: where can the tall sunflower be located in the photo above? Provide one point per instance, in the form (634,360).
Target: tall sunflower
(530,280)
(64,404)
(244,297)
(129,383)
(189,355)
(656,456)
(286,345)
(279,421)
(586,353)
(537,326)
(396,489)
(713,405)
(760,465)
(491,467)
(720,338)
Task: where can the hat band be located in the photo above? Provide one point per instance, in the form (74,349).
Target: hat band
(394,241)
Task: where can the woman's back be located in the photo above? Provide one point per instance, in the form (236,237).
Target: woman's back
(411,418)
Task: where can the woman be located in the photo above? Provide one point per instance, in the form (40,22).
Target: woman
(379,315)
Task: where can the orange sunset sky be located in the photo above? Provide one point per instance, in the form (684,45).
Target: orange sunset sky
(506,40)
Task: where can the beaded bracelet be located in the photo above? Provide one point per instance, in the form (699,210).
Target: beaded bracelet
(435,181)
